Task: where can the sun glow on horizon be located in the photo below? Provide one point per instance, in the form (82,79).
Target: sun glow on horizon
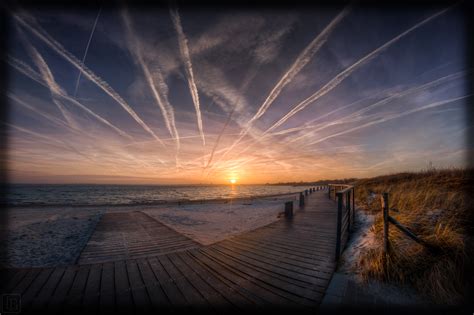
(233,181)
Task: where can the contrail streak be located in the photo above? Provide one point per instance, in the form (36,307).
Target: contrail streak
(301,61)
(391,117)
(246,82)
(87,49)
(160,94)
(57,142)
(351,118)
(347,119)
(48,77)
(348,71)
(27,71)
(47,116)
(59,49)
(186,57)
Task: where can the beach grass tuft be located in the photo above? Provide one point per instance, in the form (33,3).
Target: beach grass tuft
(436,205)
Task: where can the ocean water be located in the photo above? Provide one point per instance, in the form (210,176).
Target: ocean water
(128,195)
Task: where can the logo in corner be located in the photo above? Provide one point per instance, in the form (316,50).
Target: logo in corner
(11,303)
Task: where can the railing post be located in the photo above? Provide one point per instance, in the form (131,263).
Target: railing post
(301,199)
(339,225)
(289,209)
(353,204)
(306,192)
(348,207)
(329,192)
(385,222)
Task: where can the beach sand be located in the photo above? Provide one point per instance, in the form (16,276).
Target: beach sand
(45,237)
(212,222)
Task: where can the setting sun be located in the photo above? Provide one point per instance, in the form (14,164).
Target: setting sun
(232,180)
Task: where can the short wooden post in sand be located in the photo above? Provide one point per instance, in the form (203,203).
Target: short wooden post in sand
(289,209)
(384,201)
(301,199)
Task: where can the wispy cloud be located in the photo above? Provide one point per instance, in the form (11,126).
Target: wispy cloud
(186,57)
(59,49)
(348,71)
(87,50)
(303,58)
(391,117)
(48,77)
(27,71)
(155,82)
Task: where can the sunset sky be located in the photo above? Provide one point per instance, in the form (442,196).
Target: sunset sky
(181,95)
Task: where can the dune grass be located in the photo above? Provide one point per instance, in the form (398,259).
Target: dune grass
(436,206)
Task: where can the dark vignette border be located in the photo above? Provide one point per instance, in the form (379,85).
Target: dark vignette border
(466,12)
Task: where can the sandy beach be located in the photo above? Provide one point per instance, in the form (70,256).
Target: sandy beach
(54,236)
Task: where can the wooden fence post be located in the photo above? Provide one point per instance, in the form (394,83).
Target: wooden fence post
(353,204)
(348,208)
(385,222)
(339,225)
(301,199)
(289,209)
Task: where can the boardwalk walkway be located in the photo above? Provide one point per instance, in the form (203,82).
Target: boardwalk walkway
(131,235)
(288,263)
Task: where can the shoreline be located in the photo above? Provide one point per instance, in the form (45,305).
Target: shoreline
(142,204)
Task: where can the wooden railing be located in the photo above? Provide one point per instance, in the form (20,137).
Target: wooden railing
(345,197)
(303,195)
(389,219)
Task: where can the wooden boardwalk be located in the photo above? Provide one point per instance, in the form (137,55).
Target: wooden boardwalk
(131,235)
(287,264)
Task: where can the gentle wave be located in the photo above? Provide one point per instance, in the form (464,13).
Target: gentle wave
(22,195)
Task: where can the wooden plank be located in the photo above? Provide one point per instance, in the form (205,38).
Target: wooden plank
(232,295)
(41,300)
(272,260)
(235,280)
(107,289)
(55,303)
(168,285)
(156,294)
(23,285)
(195,298)
(252,283)
(35,287)
(297,284)
(325,266)
(123,297)
(92,289)
(73,301)
(141,300)
(265,278)
(14,281)
(314,255)
(212,296)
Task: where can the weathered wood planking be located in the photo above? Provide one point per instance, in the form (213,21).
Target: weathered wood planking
(287,264)
(131,235)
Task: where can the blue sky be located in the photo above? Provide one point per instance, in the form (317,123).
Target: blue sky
(180,95)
